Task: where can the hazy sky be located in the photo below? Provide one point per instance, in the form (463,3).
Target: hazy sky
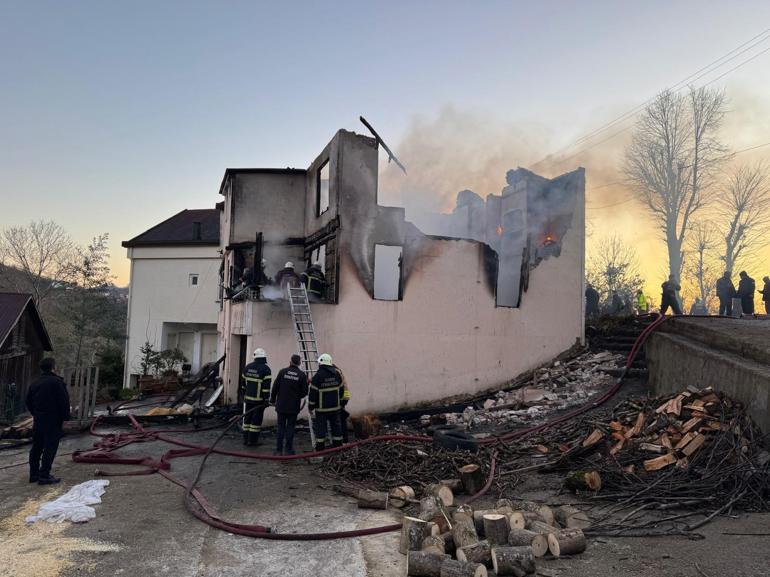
(115,115)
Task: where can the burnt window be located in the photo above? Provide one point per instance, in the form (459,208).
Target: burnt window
(387,272)
(196,231)
(322,189)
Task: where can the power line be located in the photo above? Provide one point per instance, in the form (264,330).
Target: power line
(681,83)
(696,75)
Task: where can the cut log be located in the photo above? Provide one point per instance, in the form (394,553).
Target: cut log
(372,499)
(516,561)
(441,492)
(478,520)
(543,510)
(652,448)
(530,517)
(570,517)
(456,485)
(413,533)
(424,564)
(694,445)
(449,543)
(659,462)
(401,496)
(472,478)
(431,510)
(434,529)
(463,513)
(452,568)
(516,520)
(542,528)
(496,528)
(526,538)
(480,552)
(637,428)
(434,544)
(595,436)
(567,542)
(464,533)
(583,481)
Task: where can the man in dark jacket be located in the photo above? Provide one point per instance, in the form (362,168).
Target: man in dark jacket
(289,388)
(257,380)
(286,277)
(668,296)
(746,288)
(325,402)
(726,292)
(765,292)
(49,404)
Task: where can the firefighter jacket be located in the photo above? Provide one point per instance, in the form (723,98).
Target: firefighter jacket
(326,390)
(641,302)
(289,388)
(257,381)
(315,281)
(345,388)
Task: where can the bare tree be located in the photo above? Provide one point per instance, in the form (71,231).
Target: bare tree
(744,213)
(613,268)
(671,161)
(43,254)
(700,264)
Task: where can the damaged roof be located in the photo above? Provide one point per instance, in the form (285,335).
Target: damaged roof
(12,306)
(180,229)
(232,171)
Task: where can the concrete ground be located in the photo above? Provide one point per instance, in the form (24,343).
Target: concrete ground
(142,528)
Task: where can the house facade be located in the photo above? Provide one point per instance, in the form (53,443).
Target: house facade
(23,344)
(173,290)
(414,311)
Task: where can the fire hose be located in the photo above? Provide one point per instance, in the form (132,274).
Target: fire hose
(197,504)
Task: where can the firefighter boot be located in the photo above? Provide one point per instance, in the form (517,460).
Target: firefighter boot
(253,439)
(320,446)
(246,438)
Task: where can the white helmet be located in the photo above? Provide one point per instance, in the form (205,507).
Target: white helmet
(325,359)
(264,262)
(288,264)
(260,354)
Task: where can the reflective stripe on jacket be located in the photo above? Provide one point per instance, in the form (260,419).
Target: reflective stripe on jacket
(258,380)
(326,390)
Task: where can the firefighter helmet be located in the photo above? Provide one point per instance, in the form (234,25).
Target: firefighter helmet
(325,359)
(260,354)
(289,264)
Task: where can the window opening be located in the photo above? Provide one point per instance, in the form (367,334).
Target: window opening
(387,272)
(322,189)
(193,280)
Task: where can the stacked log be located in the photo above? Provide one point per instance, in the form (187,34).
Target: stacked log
(525,538)
(472,478)
(566,542)
(496,528)
(401,496)
(516,561)
(424,564)
(413,533)
(372,499)
(480,552)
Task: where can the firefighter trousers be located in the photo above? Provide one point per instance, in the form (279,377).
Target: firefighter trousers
(252,421)
(328,421)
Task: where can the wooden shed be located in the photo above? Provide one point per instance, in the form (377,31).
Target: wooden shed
(23,342)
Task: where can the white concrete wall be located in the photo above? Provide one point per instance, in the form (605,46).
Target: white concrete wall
(446,337)
(160,292)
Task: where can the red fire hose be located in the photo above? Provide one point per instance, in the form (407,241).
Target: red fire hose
(103,452)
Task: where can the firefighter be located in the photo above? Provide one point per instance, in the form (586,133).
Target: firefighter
(668,297)
(325,402)
(315,282)
(289,388)
(286,277)
(765,292)
(257,381)
(726,292)
(49,404)
(746,288)
(641,302)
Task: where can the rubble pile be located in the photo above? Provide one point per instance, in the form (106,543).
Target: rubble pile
(559,386)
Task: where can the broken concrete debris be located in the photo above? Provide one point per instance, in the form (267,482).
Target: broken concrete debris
(561,385)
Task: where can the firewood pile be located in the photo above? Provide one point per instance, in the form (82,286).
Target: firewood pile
(646,466)
(442,539)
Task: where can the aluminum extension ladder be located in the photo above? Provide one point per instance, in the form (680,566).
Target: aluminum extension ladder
(304,332)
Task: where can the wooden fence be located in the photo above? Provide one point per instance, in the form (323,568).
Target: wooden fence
(82,385)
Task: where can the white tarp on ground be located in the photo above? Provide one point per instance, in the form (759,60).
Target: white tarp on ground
(73,505)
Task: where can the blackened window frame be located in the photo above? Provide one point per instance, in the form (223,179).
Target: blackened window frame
(318,211)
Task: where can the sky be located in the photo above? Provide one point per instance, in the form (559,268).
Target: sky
(116,115)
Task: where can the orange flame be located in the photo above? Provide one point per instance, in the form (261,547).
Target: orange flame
(499,230)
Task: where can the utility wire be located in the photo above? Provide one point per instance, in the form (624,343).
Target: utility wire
(706,69)
(765,36)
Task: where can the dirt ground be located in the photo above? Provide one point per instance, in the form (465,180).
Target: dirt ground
(142,527)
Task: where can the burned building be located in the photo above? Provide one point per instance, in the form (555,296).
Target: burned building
(446,305)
